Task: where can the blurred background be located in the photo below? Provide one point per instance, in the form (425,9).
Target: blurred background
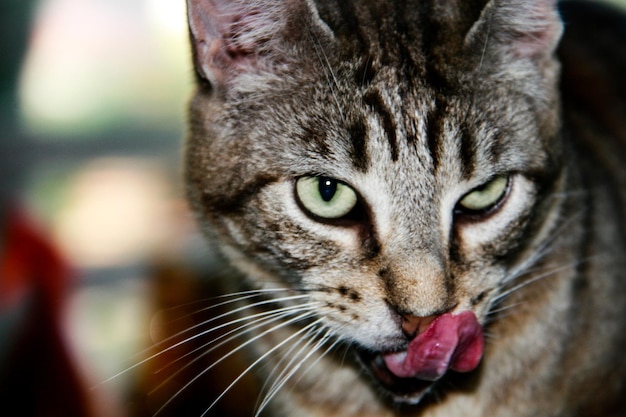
(92,103)
(92,108)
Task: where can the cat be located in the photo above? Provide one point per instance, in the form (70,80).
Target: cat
(423,201)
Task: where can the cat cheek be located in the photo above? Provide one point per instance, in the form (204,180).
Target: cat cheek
(373,328)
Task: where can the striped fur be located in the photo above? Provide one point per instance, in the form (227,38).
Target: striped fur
(414,104)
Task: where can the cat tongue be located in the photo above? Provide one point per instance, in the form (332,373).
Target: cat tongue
(450,342)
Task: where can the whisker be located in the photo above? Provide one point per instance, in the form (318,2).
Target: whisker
(368,63)
(489,336)
(548,273)
(325,338)
(544,249)
(195,336)
(330,79)
(259,323)
(256,318)
(309,338)
(241,296)
(345,351)
(500,310)
(281,383)
(256,362)
(250,306)
(223,315)
(232,352)
(485,45)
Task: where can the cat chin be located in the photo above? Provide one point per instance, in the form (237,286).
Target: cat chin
(404,391)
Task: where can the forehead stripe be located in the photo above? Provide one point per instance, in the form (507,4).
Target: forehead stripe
(374,100)
(358,136)
(434,130)
(467,152)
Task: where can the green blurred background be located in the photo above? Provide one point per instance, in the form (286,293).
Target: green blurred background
(92,104)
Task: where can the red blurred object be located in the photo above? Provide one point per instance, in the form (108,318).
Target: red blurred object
(37,374)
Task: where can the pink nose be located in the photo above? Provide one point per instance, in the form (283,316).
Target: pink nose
(413,325)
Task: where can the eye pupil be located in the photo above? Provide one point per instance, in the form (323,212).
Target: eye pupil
(327,188)
(325,198)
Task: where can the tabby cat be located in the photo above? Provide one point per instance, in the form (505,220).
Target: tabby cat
(423,201)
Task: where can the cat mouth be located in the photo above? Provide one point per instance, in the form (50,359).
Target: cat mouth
(450,343)
(402,390)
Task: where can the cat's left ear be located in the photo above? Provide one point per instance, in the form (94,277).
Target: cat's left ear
(520,28)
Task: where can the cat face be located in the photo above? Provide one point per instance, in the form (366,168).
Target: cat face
(378,157)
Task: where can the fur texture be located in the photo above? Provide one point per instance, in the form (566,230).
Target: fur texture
(415,105)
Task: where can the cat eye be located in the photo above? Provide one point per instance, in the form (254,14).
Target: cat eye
(325,197)
(486,197)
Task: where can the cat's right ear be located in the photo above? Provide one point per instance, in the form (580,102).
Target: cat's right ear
(234,37)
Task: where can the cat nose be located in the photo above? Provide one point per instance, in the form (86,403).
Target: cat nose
(413,325)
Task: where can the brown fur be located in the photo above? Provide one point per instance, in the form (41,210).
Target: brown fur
(414,105)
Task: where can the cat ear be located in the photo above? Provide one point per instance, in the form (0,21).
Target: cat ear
(231,37)
(522,28)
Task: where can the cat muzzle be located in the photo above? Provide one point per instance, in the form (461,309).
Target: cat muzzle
(449,342)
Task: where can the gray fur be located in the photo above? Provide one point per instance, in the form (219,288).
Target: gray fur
(414,104)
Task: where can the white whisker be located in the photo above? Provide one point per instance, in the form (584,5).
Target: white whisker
(240,296)
(332,78)
(257,324)
(503,309)
(260,359)
(539,277)
(544,249)
(262,317)
(250,306)
(254,326)
(232,352)
(221,316)
(195,336)
(276,387)
(309,338)
(485,45)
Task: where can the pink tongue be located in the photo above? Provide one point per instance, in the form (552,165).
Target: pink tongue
(450,342)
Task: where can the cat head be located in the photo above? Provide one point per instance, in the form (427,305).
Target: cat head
(389,159)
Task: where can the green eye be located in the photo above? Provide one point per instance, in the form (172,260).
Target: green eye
(486,196)
(325,197)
